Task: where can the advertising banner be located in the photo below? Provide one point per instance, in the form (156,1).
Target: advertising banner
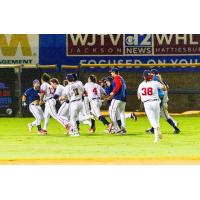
(19,49)
(76,49)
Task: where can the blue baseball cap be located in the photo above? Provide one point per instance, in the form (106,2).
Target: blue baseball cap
(154,71)
(70,77)
(147,74)
(115,70)
(36,81)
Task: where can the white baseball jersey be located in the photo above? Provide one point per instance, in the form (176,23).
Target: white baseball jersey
(149,90)
(59,90)
(47,90)
(80,83)
(73,91)
(93,90)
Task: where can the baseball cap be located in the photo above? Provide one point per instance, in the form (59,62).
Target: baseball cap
(147,74)
(36,81)
(115,70)
(154,71)
(70,77)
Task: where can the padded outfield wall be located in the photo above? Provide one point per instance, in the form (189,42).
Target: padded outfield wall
(79,49)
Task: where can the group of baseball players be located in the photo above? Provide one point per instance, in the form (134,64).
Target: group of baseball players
(82,103)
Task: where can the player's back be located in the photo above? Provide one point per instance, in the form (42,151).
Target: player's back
(93,90)
(47,90)
(73,91)
(59,90)
(149,90)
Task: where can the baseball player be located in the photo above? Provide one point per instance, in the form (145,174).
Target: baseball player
(47,97)
(118,103)
(148,94)
(106,83)
(163,95)
(95,92)
(74,92)
(33,98)
(63,111)
(86,110)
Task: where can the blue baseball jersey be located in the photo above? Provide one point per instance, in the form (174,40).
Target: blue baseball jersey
(119,88)
(160,91)
(32,95)
(108,90)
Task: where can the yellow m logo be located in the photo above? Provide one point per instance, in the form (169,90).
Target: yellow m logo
(10,48)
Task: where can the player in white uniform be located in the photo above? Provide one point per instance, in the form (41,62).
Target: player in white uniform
(85,101)
(95,92)
(148,94)
(47,97)
(63,111)
(74,92)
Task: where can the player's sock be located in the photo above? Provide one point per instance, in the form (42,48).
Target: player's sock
(78,125)
(104,120)
(92,123)
(172,124)
(39,127)
(119,123)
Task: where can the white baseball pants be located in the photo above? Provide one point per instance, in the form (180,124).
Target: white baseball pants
(50,110)
(117,108)
(37,112)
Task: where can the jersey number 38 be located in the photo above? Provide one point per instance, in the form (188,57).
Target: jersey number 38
(147,91)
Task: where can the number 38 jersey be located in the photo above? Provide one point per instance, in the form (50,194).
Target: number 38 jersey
(47,90)
(73,91)
(149,90)
(93,90)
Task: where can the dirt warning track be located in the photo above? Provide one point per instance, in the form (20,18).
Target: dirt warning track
(105,161)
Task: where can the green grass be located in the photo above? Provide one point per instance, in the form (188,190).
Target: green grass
(17,143)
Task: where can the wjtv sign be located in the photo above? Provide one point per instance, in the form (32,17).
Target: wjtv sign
(19,49)
(132,44)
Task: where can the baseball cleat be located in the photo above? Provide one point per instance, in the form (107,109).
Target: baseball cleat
(75,134)
(133,116)
(156,140)
(177,131)
(30,127)
(92,130)
(150,131)
(41,132)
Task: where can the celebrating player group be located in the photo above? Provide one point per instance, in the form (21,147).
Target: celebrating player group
(81,103)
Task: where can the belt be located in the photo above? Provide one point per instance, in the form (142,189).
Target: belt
(75,100)
(96,98)
(150,100)
(48,99)
(33,104)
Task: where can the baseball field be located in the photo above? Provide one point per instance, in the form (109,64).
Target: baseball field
(18,146)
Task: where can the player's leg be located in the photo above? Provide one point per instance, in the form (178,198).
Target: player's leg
(63,111)
(75,108)
(35,110)
(150,112)
(121,109)
(165,114)
(113,111)
(131,115)
(51,107)
(46,118)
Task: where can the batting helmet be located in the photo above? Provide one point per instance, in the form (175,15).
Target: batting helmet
(154,71)
(70,77)
(147,75)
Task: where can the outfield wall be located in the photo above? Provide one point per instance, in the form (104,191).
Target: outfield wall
(75,49)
